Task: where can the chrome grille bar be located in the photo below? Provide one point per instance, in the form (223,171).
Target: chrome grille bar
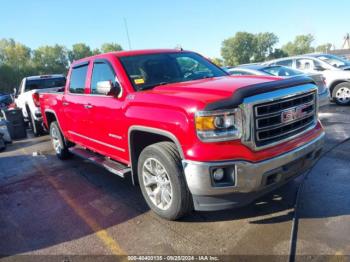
(300,96)
(282,118)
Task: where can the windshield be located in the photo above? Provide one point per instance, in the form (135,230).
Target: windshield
(280,71)
(148,71)
(45,83)
(334,60)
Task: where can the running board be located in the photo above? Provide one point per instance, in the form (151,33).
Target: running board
(112,166)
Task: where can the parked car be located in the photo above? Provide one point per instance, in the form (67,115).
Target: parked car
(192,136)
(336,71)
(282,71)
(27,97)
(5,100)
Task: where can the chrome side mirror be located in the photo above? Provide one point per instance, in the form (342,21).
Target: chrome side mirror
(107,88)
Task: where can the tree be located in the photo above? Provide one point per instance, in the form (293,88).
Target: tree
(277,53)
(96,51)
(13,53)
(217,61)
(239,49)
(110,47)
(325,48)
(79,51)
(246,47)
(15,62)
(264,45)
(300,45)
(51,59)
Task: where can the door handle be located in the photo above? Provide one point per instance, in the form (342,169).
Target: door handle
(88,106)
(65,103)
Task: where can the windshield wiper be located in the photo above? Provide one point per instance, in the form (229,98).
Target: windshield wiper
(153,86)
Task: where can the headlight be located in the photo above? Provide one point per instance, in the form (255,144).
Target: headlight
(213,126)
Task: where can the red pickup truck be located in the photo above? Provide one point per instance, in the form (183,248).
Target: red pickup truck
(189,134)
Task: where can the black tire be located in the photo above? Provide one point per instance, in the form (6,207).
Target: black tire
(34,125)
(181,202)
(336,93)
(62,151)
(2,144)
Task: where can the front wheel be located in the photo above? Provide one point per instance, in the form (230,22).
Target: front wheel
(341,94)
(162,181)
(58,142)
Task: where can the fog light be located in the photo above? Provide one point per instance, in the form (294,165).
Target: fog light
(218,174)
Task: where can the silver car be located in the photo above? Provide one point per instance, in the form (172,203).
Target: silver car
(281,71)
(336,71)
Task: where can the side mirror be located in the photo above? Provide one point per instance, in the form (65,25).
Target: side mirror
(108,88)
(15,95)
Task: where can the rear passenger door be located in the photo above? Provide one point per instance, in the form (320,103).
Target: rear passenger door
(74,105)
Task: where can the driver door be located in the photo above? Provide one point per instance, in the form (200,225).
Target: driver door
(105,127)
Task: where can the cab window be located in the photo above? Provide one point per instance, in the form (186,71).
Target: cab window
(304,64)
(288,63)
(77,79)
(102,72)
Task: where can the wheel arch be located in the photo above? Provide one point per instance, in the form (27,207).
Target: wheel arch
(149,136)
(51,116)
(335,83)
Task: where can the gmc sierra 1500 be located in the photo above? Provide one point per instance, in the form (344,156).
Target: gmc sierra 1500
(189,134)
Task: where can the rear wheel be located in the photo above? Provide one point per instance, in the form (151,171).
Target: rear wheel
(341,94)
(58,142)
(162,181)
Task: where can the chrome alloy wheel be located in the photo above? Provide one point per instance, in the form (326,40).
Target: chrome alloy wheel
(343,95)
(55,140)
(157,183)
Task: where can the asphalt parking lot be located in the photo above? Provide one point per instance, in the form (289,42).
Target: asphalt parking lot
(75,208)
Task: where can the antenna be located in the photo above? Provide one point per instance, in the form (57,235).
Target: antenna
(127,32)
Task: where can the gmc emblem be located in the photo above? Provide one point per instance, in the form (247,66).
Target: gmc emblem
(293,114)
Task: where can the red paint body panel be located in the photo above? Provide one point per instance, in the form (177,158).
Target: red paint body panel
(104,127)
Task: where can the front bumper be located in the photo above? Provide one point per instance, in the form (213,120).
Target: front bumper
(251,180)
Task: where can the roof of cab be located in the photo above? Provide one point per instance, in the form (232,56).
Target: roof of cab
(130,53)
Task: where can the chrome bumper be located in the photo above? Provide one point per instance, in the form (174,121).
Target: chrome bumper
(250,179)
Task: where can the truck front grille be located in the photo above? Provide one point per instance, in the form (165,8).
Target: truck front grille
(281,119)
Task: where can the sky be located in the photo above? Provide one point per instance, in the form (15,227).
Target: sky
(197,25)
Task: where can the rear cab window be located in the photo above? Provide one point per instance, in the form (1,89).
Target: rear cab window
(78,79)
(44,82)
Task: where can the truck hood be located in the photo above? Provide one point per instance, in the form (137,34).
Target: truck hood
(210,90)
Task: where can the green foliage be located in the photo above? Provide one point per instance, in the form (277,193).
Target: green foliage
(18,61)
(79,51)
(264,45)
(246,47)
(110,47)
(51,59)
(325,48)
(217,61)
(238,49)
(277,53)
(300,45)
(15,62)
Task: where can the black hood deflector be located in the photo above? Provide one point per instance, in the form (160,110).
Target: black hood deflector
(238,97)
